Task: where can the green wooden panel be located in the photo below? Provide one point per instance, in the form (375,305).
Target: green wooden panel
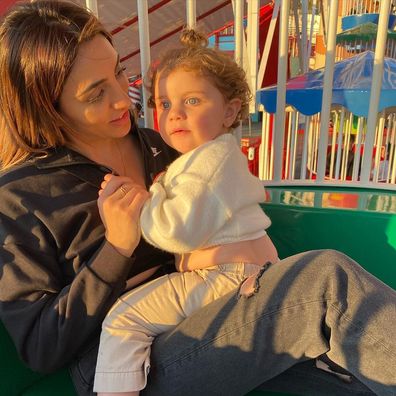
(362,224)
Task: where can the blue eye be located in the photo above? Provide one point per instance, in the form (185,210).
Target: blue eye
(165,105)
(192,101)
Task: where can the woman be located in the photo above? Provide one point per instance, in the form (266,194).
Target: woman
(63,97)
(66,113)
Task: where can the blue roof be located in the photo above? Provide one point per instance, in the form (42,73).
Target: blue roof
(351,87)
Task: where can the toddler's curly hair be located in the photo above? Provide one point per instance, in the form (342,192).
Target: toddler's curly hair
(195,56)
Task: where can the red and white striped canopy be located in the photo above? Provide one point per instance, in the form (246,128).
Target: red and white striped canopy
(166,20)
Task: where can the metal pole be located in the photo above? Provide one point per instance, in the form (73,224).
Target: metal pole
(279,129)
(304,24)
(238,54)
(252,41)
(263,149)
(376,84)
(313,14)
(327,89)
(191,13)
(93,6)
(144,41)
(268,43)
(238,30)
(298,36)
(323,14)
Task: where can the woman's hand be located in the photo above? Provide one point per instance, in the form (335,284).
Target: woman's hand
(120,202)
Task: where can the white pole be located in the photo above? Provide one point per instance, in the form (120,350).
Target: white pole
(333,145)
(358,145)
(388,146)
(93,6)
(191,13)
(293,133)
(288,140)
(313,14)
(392,156)
(339,144)
(304,156)
(323,14)
(327,89)
(263,150)
(144,41)
(268,43)
(298,36)
(279,129)
(252,41)
(238,6)
(376,83)
(380,129)
(238,30)
(304,34)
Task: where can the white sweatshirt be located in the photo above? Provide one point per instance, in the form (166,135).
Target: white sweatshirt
(206,197)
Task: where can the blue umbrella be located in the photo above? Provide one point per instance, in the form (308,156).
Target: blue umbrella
(351,87)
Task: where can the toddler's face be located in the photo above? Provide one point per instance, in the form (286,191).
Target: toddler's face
(191,110)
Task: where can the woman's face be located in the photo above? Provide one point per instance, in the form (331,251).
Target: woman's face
(95,98)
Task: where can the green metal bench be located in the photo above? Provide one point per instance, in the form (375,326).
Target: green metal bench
(358,222)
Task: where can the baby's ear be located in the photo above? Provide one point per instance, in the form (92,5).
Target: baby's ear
(232,109)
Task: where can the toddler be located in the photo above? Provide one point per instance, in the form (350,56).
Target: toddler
(204,208)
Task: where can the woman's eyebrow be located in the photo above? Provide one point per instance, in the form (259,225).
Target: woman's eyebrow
(101,81)
(92,86)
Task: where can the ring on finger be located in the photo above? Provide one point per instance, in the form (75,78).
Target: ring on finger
(123,190)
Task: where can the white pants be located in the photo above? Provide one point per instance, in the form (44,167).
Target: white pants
(143,313)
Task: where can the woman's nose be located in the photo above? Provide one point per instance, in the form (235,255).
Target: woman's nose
(121,99)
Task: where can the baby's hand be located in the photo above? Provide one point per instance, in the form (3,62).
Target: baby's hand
(106,180)
(120,201)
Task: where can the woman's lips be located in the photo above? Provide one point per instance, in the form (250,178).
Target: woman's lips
(121,120)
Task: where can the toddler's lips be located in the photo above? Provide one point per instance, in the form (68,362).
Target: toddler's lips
(178,131)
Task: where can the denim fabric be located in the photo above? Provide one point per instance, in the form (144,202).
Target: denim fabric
(306,380)
(314,303)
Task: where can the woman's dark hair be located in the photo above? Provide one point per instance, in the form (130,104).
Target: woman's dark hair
(39,42)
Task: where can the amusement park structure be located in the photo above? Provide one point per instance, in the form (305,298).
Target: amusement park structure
(323,77)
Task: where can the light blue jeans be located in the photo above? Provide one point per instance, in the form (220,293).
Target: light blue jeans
(314,303)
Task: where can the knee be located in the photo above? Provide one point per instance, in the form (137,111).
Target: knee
(336,259)
(327,263)
(330,259)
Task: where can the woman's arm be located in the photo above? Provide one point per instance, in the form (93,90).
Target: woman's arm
(49,320)
(58,277)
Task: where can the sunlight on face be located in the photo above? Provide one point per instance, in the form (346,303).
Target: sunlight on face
(95,96)
(191,110)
